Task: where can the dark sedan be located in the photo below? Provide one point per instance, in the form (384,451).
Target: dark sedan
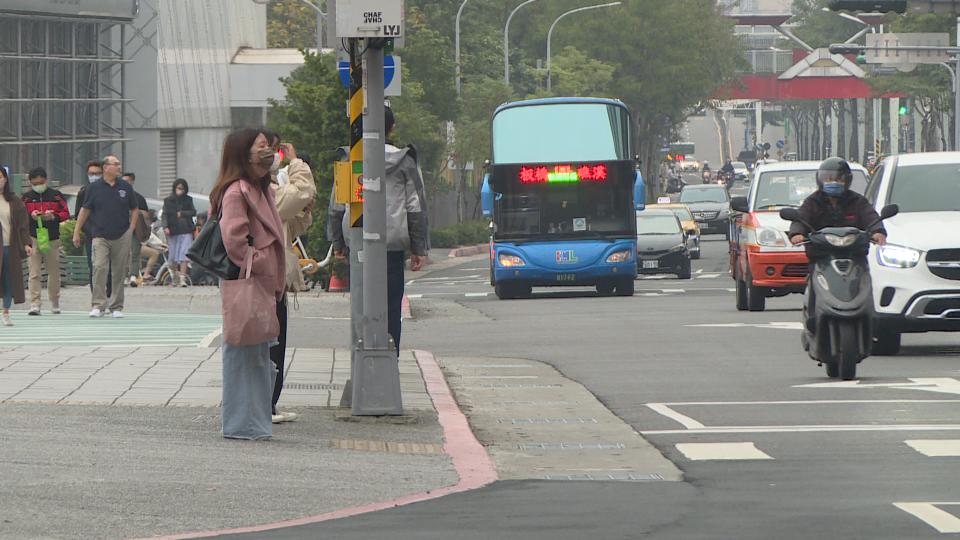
(710,205)
(661,244)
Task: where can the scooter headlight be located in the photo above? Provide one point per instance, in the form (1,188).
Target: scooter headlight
(894,256)
(840,241)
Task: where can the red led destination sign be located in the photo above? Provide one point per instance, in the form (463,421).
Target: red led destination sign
(563,174)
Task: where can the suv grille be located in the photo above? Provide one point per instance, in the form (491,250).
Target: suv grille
(944,263)
(795,270)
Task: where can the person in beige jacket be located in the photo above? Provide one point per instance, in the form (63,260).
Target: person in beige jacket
(295,192)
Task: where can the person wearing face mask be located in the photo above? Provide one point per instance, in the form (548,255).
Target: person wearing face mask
(251,230)
(295,191)
(15,236)
(50,206)
(178,214)
(834,204)
(141,232)
(94,174)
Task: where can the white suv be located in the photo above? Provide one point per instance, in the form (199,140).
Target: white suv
(916,276)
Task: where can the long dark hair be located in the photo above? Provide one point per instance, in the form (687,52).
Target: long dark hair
(180,182)
(7,192)
(235,164)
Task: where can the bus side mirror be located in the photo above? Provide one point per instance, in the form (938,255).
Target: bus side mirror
(639,192)
(486,197)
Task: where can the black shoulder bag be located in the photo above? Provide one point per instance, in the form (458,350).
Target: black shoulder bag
(207,251)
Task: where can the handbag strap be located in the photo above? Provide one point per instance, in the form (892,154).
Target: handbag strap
(248,263)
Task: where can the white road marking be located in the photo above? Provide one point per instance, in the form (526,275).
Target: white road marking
(208,339)
(936,447)
(770,326)
(721,451)
(414,296)
(810,402)
(804,429)
(499,377)
(682,419)
(651,294)
(708,276)
(673,290)
(448,278)
(941,520)
(476,294)
(944,385)
(699,271)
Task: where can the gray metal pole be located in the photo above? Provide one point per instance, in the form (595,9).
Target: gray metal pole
(956,96)
(550,34)
(506,42)
(457,45)
(376,377)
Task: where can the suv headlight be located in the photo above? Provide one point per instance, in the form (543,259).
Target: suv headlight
(619,256)
(894,256)
(841,241)
(508,261)
(771,237)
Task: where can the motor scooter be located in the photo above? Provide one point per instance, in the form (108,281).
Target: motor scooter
(707,177)
(838,333)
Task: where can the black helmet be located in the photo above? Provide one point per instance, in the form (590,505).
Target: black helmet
(833,169)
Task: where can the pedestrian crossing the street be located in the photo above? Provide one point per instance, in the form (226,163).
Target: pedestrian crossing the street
(135,329)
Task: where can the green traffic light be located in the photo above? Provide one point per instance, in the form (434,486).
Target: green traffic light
(861,59)
(904,110)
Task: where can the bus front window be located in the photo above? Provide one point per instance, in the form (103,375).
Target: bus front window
(561,133)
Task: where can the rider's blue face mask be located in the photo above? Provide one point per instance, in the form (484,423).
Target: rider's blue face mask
(834,189)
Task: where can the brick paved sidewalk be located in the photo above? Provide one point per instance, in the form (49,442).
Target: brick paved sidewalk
(174,376)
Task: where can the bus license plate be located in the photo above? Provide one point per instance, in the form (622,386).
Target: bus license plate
(566,277)
(651,264)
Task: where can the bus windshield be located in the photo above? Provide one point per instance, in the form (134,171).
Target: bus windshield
(561,132)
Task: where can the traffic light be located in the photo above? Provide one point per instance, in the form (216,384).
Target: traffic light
(881,6)
(903,110)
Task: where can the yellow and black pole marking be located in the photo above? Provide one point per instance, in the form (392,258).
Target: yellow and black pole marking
(356,135)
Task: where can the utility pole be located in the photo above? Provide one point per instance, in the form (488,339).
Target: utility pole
(369,25)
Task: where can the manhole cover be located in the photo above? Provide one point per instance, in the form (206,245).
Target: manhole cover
(386,446)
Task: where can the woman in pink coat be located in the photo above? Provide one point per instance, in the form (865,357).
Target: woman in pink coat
(247,208)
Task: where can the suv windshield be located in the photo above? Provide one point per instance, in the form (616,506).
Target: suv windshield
(658,224)
(791,188)
(561,132)
(718,195)
(926,188)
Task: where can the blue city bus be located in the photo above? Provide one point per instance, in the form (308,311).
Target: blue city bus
(562,191)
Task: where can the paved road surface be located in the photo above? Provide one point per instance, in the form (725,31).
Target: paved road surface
(767,449)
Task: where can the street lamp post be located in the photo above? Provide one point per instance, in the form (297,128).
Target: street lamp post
(457,46)
(550,34)
(506,42)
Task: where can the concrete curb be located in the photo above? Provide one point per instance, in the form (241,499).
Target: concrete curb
(467,251)
(470,459)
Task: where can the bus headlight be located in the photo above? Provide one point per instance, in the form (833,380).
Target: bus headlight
(894,256)
(509,261)
(619,256)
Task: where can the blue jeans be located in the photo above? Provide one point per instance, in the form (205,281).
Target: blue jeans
(7,293)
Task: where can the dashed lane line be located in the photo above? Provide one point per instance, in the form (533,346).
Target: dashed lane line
(941,520)
(936,447)
(739,451)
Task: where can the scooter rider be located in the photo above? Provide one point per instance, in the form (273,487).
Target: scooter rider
(834,205)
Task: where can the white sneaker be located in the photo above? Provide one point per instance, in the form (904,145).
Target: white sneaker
(96,313)
(133,281)
(183,281)
(117,314)
(6,319)
(55,310)
(284,417)
(34,310)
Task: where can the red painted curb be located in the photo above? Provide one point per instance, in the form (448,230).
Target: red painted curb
(470,459)
(469,250)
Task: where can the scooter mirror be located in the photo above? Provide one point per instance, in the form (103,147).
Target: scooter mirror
(889,211)
(789,214)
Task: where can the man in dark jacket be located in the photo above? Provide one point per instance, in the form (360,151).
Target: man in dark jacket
(50,207)
(833,205)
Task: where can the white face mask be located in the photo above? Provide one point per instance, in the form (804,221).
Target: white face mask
(93,178)
(275,166)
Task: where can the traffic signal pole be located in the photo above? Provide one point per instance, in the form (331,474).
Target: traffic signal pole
(376,374)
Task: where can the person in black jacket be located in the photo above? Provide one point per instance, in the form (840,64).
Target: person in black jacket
(178,214)
(833,205)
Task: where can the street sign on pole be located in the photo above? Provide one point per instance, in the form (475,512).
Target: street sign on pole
(391,74)
(369,18)
(883,48)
